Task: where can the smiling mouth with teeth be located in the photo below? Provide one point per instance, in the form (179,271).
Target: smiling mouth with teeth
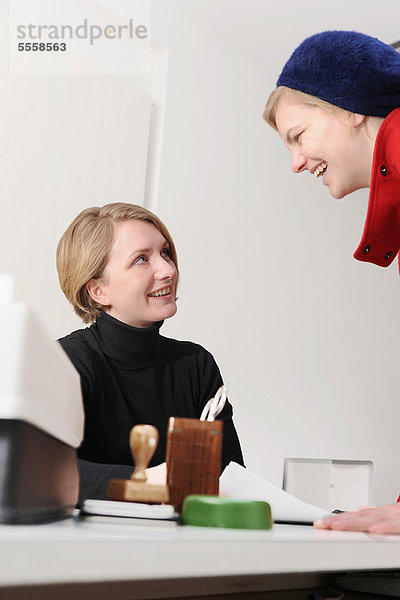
(163,292)
(320,169)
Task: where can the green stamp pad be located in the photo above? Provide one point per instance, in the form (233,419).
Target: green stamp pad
(214,511)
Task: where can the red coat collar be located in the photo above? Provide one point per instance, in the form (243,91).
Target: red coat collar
(380,241)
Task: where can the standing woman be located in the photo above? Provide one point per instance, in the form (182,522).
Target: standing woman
(118,267)
(336,107)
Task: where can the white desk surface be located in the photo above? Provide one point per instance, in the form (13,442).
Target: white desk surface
(77,550)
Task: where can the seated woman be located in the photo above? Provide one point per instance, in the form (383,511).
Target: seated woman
(118,267)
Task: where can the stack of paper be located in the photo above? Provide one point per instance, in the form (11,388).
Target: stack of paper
(238,482)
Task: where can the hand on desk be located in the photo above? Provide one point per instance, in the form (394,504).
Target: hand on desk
(157,475)
(381,519)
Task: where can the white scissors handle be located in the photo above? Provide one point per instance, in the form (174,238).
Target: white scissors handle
(215,405)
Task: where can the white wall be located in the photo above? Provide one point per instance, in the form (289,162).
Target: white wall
(306,337)
(67,142)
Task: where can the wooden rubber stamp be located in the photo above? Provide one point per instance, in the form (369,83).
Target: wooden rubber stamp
(143,440)
(194,450)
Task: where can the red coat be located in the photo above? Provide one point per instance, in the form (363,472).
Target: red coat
(380,241)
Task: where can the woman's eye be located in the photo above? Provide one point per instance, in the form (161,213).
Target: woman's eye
(140,260)
(297,137)
(166,252)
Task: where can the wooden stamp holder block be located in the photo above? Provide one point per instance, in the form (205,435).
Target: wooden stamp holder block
(194,451)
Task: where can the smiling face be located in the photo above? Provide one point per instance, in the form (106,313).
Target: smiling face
(139,281)
(331,145)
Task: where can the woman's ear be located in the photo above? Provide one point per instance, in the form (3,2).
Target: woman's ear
(358,119)
(96,292)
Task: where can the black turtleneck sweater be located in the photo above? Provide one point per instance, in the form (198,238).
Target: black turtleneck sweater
(133,375)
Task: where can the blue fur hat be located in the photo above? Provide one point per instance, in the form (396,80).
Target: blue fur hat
(348,69)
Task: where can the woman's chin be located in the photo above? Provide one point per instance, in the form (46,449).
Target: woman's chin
(338,193)
(168,312)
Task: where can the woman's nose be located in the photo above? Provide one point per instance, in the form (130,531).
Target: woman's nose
(298,161)
(165,269)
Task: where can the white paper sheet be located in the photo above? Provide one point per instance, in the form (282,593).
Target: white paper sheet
(238,482)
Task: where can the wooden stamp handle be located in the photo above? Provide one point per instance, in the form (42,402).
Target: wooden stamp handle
(143,440)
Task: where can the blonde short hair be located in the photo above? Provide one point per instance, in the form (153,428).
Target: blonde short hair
(84,248)
(269,114)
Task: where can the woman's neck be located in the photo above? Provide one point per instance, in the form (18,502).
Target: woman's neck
(371,128)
